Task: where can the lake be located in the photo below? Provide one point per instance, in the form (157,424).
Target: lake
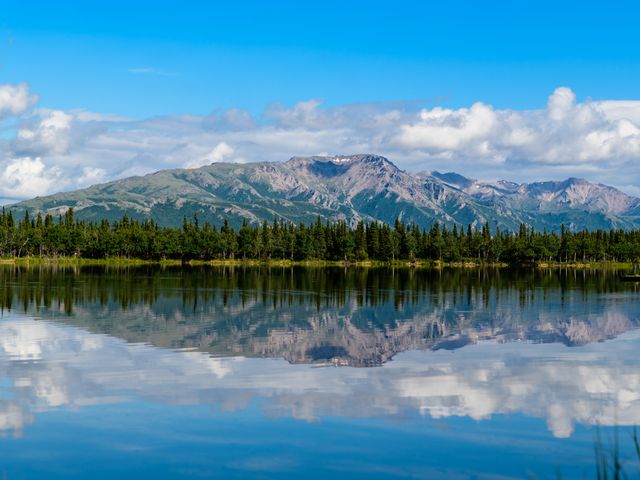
(153,372)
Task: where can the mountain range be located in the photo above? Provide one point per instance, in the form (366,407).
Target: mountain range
(351,188)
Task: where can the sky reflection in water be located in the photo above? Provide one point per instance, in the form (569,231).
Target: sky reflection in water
(532,377)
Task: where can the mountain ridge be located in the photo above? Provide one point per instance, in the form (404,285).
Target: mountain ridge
(358,187)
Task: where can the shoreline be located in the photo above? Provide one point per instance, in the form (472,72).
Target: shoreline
(431,264)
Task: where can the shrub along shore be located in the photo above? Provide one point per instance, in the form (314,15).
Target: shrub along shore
(117,262)
(45,239)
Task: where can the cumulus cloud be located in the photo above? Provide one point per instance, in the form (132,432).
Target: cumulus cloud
(15,99)
(447,131)
(219,153)
(27,177)
(561,103)
(597,140)
(565,133)
(49,135)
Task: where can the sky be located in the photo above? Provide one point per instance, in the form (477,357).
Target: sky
(522,90)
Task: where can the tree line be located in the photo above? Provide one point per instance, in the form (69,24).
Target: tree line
(172,290)
(47,236)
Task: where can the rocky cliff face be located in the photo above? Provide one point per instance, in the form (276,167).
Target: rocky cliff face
(351,188)
(578,202)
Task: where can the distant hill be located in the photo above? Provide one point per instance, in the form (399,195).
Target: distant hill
(351,188)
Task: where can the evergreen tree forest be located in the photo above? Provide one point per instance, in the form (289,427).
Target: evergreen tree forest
(65,236)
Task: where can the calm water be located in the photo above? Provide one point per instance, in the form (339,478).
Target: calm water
(315,373)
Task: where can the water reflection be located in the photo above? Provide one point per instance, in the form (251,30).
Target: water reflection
(72,338)
(48,366)
(357,317)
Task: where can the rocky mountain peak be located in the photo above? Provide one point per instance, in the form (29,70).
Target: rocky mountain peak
(343,161)
(345,187)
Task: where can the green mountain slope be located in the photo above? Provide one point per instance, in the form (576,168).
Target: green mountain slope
(351,188)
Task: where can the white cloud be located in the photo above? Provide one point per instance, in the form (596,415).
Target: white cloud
(220,152)
(442,130)
(27,177)
(92,175)
(15,99)
(598,140)
(621,110)
(561,103)
(303,114)
(49,135)
(565,133)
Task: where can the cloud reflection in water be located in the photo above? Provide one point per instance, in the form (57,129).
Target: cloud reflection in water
(48,366)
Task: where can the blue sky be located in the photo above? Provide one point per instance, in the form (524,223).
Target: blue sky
(202,56)
(522,90)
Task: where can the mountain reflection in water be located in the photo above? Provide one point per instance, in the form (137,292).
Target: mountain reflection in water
(357,317)
(88,336)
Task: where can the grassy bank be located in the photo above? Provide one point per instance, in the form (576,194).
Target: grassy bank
(125,262)
(76,261)
(579,265)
